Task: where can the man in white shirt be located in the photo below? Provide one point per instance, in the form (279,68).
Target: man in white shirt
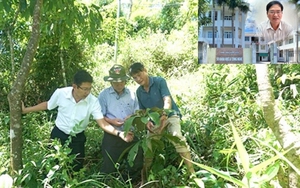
(274,29)
(75,106)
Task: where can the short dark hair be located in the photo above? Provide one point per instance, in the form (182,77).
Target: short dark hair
(274,3)
(136,68)
(82,76)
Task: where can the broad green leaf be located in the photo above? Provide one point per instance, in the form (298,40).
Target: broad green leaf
(6,119)
(294,90)
(283,78)
(56,147)
(281,155)
(147,151)
(199,182)
(155,117)
(241,149)
(221,174)
(23,5)
(144,120)
(227,151)
(132,153)
(248,175)
(155,109)
(270,173)
(25,177)
(128,123)
(138,124)
(264,164)
(173,139)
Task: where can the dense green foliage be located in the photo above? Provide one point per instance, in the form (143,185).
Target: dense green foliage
(211,98)
(223,94)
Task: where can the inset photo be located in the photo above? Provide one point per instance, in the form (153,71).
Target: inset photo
(248,32)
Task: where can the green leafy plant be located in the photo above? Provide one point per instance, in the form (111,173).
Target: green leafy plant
(51,166)
(137,123)
(254,176)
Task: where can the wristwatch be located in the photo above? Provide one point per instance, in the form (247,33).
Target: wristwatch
(118,134)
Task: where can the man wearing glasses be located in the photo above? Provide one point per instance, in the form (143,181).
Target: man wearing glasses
(75,106)
(117,104)
(274,29)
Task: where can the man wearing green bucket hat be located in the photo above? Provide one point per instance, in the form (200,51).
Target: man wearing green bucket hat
(117,104)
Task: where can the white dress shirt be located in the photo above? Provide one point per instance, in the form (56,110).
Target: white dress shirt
(73,117)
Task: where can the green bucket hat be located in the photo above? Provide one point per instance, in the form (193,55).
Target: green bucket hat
(116,74)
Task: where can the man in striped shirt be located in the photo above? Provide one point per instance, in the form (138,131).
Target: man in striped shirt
(274,29)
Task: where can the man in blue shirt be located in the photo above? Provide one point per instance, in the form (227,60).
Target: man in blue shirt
(117,104)
(154,92)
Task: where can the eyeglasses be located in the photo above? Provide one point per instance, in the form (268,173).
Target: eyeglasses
(278,12)
(84,89)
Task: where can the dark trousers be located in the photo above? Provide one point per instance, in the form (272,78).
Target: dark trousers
(76,144)
(112,149)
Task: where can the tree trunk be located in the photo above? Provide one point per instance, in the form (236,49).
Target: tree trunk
(278,124)
(130,9)
(117,32)
(63,70)
(14,97)
(12,58)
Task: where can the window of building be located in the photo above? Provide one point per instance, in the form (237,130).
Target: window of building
(281,53)
(227,17)
(262,39)
(291,53)
(286,41)
(210,34)
(210,15)
(227,35)
(291,41)
(247,38)
(263,47)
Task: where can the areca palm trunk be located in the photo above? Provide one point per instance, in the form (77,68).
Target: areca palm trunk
(222,3)
(277,122)
(242,6)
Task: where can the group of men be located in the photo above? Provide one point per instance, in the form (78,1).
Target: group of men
(110,110)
